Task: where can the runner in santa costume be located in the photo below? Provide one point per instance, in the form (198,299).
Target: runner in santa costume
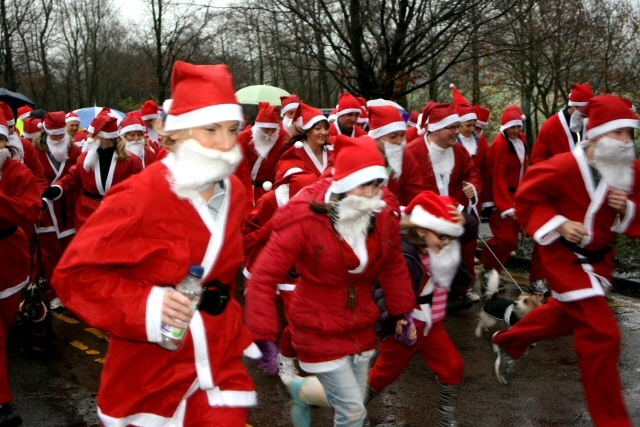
(431,227)
(73,123)
(347,113)
(559,134)
(189,218)
(132,130)
(482,122)
(149,112)
(574,205)
(437,162)
(388,129)
(508,159)
(57,154)
(309,144)
(263,145)
(289,105)
(105,164)
(332,317)
(19,209)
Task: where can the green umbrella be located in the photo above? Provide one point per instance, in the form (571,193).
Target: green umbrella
(261,93)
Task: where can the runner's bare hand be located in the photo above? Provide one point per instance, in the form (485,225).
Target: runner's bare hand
(176,309)
(573,231)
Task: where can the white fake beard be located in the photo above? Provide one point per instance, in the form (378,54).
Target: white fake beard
(287,124)
(614,161)
(442,159)
(91,146)
(444,265)
(469,143)
(354,215)
(576,122)
(394,154)
(136,147)
(262,142)
(59,149)
(14,141)
(197,168)
(5,155)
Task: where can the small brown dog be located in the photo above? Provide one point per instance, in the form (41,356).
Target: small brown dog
(504,310)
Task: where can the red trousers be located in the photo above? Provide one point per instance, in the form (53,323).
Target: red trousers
(504,241)
(597,343)
(51,250)
(436,348)
(8,311)
(537,269)
(286,348)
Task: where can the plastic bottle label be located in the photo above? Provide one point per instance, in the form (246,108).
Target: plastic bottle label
(172,331)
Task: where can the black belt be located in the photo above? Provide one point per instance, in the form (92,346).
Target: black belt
(511,189)
(258,183)
(590,256)
(93,196)
(425,299)
(215,297)
(8,231)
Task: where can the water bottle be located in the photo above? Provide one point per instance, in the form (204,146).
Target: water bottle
(191,288)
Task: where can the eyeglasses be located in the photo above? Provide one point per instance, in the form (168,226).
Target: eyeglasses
(452,128)
(443,237)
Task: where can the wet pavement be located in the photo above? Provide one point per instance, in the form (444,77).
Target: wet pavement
(59,390)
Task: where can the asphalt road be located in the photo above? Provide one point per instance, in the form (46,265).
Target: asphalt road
(59,389)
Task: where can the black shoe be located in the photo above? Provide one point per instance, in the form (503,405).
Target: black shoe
(8,416)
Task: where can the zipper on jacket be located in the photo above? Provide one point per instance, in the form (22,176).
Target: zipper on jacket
(352,297)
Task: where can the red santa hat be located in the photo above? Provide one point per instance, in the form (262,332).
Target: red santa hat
(413,119)
(356,162)
(436,116)
(54,123)
(307,116)
(4,125)
(384,120)
(149,110)
(81,136)
(72,117)
(363,118)
(512,116)
(580,95)
(288,165)
(462,106)
(483,116)
(289,102)
(431,211)
(202,94)
(24,111)
(332,115)
(105,126)
(348,104)
(132,123)
(8,114)
(299,181)
(267,116)
(31,127)
(609,112)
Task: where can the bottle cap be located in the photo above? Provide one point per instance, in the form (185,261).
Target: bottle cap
(196,270)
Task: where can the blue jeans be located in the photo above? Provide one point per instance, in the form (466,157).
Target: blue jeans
(345,389)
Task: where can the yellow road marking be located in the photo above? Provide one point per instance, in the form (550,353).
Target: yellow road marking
(66,319)
(79,345)
(98,333)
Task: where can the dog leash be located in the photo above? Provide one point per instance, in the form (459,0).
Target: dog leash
(503,267)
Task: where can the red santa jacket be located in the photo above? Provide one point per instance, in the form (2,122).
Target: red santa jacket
(411,134)
(418,176)
(87,184)
(19,208)
(31,162)
(323,326)
(506,173)
(562,189)
(60,215)
(113,275)
(554,138)
(308,161)
(262,170)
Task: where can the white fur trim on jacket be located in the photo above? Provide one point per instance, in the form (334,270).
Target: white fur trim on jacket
(548,233)
(153,315)
(204,116)
(424,219)
(621,226)
(359,177)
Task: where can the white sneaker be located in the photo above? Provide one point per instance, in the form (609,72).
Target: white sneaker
(473,295)
(287,371)
(56,304)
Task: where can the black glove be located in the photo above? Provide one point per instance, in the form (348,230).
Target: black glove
(52,193)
